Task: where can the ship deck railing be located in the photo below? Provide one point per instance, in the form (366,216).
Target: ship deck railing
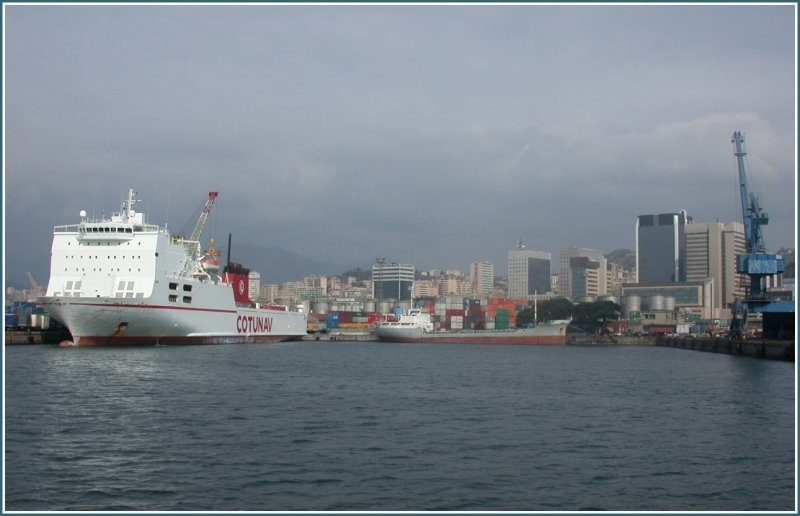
(76,228)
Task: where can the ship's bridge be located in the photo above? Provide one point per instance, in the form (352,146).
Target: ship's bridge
(122,226)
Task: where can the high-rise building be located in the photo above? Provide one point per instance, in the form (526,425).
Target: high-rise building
(481,275)
(582,277)
(528,272)
(392,280)
(711,250)
(269,292)
(255,285)
(660,249)
(587,278)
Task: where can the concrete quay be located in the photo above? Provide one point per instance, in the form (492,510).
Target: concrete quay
(755,348)
(36,336)
(342,336)
(609,340)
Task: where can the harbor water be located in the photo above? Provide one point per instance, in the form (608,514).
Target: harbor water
(369,426)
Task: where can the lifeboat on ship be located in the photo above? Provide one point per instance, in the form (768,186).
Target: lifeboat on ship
(211,259)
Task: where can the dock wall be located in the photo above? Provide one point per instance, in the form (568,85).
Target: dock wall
(769,349)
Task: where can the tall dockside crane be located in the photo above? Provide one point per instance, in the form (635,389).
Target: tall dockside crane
(756,263)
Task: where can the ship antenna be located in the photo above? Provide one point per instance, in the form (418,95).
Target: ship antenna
(229,248)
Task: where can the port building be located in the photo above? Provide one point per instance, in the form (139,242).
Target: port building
(582,273)
(660,247)
(711,250)
(481,276)
(528,272)
(392,281)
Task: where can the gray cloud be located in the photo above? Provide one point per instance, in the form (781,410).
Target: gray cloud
(435,135)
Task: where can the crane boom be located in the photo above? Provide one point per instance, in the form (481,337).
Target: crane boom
(201,222)
(756,263)
(193,242)
(754,215)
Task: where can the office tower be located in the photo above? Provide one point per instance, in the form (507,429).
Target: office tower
(587,278)
(392,280)
(481,275)
(711,250)
(269,292)
(255,285)
(660,249)
(528,272)
(582,272)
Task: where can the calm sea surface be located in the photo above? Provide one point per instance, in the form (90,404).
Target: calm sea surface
(319,426)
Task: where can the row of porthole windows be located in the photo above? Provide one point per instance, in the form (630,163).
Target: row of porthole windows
(72,257)
(101,270)
(106,229)
(106,243)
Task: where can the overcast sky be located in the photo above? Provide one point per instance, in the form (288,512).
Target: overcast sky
(430,135)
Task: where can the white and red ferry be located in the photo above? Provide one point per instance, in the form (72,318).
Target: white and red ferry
(121,281)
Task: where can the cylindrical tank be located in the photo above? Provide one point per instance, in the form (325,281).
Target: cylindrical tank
(320,307)
(369,306)
(633,304)
(655,303)
(611,299)
(335,307)
(669,303)
(383,307)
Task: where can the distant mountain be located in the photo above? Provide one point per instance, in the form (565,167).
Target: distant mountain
(623,257)
(278,265)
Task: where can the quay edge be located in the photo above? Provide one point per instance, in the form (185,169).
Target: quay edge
(36,336)
(756,348)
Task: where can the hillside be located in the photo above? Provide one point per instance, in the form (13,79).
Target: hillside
(278,265)
(623,257)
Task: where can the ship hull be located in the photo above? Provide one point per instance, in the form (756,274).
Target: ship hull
(553,335)
(105,322)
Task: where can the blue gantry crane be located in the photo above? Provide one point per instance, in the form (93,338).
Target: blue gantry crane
(756,263)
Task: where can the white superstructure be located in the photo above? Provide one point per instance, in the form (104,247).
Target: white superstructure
(123,281)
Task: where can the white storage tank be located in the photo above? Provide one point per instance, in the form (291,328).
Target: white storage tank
(669,303)
(655,303)
(633,304)
(369,306)
(320,307)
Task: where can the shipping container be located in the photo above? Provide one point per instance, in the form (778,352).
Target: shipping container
(332,320)
(24,320)
(12,320)
(354,326)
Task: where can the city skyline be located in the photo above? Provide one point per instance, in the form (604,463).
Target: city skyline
(431,135)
